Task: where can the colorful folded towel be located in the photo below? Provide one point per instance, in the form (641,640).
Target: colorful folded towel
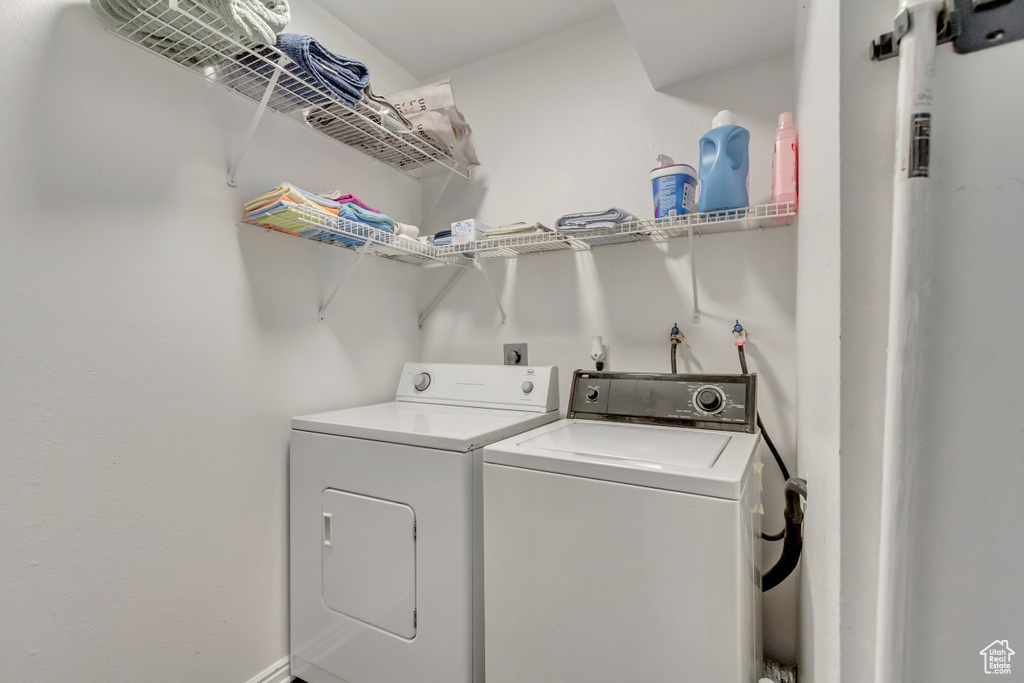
(287,208)
(296,195)
(337,196)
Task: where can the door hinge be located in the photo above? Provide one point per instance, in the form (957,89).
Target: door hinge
(414,618)
(414,531)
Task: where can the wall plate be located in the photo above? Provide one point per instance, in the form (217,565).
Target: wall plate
(971,25)
(987,23)
(515,354)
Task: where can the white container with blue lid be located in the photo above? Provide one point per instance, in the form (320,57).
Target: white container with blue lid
(674,187)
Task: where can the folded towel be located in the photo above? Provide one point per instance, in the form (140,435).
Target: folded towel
(259,21)
(593,220)
(285,216)
(256,21)
(319,199)
(296,195)
(441,238)
(520,228)
(339,76)
(358,214)
(337,196)
(406,230)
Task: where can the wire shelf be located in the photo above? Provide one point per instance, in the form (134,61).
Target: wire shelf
(733,220)
(319,226)
(196,38)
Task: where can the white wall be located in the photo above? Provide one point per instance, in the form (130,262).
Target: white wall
(966,507)
(868,92)
(152,353)
(570,123)
(818,326)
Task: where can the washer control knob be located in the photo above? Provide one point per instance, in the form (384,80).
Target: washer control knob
(527,387)
(593,393)
(709,400)
(421,381)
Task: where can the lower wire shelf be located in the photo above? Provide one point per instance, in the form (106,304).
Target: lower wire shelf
(326,228)
(707,223)
(319,226)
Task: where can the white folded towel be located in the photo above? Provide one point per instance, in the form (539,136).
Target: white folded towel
(407,230)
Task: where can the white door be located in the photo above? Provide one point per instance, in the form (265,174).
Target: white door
(369,560)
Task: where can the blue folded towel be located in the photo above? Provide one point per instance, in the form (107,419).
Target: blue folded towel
(354,212)
(593,220)
(338,75)
(442,238)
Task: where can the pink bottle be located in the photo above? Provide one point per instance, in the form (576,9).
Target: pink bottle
(784,172)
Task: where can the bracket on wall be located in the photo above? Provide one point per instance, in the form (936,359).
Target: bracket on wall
(462,269)
(256,120)
(695,318)
(344,281)
(971,25)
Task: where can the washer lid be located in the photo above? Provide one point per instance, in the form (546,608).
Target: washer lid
(450,428)
(695,461)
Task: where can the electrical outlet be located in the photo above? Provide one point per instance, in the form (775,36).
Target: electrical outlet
(515,354)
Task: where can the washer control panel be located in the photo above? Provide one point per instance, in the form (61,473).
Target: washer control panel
(725,402)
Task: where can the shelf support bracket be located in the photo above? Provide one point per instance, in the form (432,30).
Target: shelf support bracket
(444,291)
(256,121)
(437,200)
(497,302)
(451,283)
(327,304)
(693,275)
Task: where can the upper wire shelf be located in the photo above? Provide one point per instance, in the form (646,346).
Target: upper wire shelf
(319,226)
(196,38)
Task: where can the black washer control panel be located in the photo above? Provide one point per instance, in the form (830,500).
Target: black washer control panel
(724,402)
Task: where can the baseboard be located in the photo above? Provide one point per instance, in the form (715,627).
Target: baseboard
(278,672)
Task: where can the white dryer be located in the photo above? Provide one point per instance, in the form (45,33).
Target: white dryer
(386,524)
(623,543)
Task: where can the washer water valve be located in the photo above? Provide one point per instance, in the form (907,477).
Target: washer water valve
(598,353)
(675,339)
(739,334)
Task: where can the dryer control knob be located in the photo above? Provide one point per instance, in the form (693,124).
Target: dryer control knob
(421,381)
(527,387)
(710,400)
(593,393)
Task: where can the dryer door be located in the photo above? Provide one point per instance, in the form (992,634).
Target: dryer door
(369,560)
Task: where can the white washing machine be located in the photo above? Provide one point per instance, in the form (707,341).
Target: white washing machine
(386,524)
(623,543)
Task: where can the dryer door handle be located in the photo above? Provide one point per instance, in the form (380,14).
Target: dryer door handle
(328,530)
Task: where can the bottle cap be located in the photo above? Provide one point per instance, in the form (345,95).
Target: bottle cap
(786,119)
(665,160)
(725,118)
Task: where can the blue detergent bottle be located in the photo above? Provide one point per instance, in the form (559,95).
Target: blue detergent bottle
(724,165)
